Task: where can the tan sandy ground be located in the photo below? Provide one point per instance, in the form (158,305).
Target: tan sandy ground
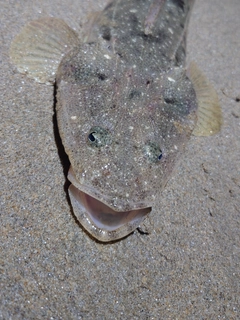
(187,267)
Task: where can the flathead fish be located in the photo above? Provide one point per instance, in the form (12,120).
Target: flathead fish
(126,105)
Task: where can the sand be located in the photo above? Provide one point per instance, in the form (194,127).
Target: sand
(186,266)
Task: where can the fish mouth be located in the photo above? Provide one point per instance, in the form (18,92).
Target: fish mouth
(100,220)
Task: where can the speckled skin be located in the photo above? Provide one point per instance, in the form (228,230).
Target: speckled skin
(129,80)
(125,106)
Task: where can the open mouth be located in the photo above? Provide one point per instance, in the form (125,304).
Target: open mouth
(103,222)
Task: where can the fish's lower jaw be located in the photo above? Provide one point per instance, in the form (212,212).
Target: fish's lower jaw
(102,222)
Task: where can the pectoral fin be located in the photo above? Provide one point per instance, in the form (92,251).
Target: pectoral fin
(209,110)
(38,49)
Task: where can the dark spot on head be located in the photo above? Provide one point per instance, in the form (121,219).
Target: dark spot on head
(119,54)
(169,100)
(237,99)
(148,82)
(134,94)
(106,33)
(146,37)
(101,76)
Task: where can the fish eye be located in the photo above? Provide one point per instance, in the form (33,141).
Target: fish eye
(98,137)
(152,152)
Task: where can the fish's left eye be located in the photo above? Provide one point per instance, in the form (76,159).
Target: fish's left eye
(152,151)
(98,137)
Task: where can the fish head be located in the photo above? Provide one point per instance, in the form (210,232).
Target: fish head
(124,129)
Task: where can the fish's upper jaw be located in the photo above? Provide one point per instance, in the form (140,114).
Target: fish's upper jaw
(101,221)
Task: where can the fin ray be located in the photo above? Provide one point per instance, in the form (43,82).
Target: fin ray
(209,110)
(38,49)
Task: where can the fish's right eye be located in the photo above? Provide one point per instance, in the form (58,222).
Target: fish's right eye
(98,137)
(152,152)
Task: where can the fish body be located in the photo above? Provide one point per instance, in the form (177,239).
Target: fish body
(125,106)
